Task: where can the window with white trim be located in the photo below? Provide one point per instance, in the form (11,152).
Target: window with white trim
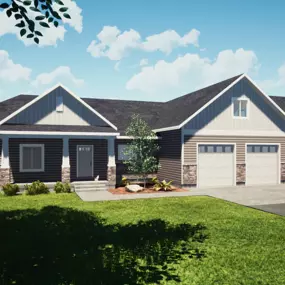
(32,158)
(240,107)
(121,152)
(59,103)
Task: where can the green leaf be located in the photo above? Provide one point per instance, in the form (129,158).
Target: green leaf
(44,7)
(56,15)
(23,9)
(63,9)
(21,24)
(66,16)
(36,40)
(50,19)
(38,33)
(40,18)
(55,24)
(31,26)
(59,2)
(44,24)
(29,36)
(47,14)
(35,9)
(4,5)
(27,3)
(18,16)
(9,13)
(23,32)
(36,3)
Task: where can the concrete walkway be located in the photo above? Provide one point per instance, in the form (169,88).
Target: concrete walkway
(248,196)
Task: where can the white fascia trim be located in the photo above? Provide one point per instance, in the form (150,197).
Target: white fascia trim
(166,129)
(130,138)
(57,133)
(264,94)
(212,100)
(234,133)
(46,93)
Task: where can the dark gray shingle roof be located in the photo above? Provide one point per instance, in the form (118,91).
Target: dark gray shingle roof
(156,114)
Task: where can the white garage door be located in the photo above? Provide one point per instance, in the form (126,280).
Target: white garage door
(215,165)
(262,164)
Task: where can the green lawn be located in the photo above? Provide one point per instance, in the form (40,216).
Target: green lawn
(58,239)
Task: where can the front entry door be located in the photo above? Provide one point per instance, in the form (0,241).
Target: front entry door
(85,161)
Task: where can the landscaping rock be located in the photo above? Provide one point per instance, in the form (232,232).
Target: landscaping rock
(134,188)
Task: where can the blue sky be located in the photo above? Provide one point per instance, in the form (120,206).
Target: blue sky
(148,50)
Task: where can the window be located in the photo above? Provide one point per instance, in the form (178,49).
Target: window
(262,148)
(216,148)
(31,157)
(240,108)
(121,152)
(59,103)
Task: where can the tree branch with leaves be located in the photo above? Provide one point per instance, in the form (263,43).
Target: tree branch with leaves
(142,149)
(45,15)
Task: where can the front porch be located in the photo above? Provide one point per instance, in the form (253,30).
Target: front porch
(62,157)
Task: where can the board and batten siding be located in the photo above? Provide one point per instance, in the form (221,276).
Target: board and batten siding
(170,156)
(52,165)
(262,115)
(100,157)
(190,146)
(43,112)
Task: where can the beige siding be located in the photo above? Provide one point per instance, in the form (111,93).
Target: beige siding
(43,112)
(262,116)
(190,145)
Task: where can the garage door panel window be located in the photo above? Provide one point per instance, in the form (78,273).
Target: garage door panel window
(262,148)
(216,149)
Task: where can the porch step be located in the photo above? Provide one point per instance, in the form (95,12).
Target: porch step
(89,186)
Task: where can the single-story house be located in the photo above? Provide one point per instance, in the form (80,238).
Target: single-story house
(229,133)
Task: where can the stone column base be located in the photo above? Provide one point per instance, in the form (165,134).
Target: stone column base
(65,174)
(189,175)
(111,176)
(4,176)
(240,173)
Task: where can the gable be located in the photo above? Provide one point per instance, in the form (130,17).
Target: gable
(43,112)
(262,114)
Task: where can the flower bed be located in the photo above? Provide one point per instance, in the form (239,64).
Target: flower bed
(123,190)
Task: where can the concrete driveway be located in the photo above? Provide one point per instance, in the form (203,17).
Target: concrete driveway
(267,198)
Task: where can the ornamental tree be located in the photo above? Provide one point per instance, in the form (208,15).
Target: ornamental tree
(30,14)
(141,150)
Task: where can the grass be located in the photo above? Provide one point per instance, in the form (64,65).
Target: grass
(58,239)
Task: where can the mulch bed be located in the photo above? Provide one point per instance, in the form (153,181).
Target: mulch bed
(122,190)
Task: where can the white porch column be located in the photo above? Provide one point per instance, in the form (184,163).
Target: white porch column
(5,162)
(65,171)
(111,174)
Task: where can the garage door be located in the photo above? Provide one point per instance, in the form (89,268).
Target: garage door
(262,164)
(215,165)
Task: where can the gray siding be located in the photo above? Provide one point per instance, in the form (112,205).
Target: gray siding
(170,156)
(100,147)
(190,145)
(121,168)
(262,116)
(53,160)
(44,112)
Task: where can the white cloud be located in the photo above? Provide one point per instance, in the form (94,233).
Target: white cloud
(10,71)
(193,71)
(50,35)
(61,73)
(144,62)
(275,86)
(115,44)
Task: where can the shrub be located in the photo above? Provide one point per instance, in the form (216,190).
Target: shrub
(60,187)
(162,185)
(36,188)
(10,189)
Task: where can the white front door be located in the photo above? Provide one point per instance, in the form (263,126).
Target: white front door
(262,164)
(215,165)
